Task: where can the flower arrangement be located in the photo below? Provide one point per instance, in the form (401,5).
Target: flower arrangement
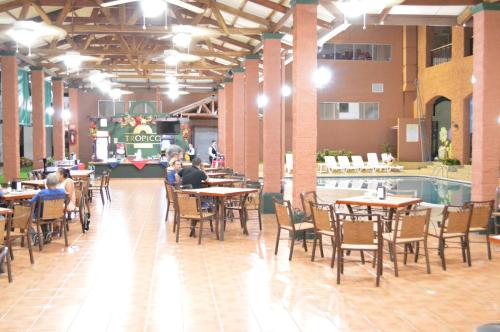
(134,121)
(93,130)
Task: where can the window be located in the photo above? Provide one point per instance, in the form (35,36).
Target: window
(359,52)
(349,111)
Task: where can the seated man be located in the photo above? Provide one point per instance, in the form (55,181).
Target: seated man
(193,175)
(52,192)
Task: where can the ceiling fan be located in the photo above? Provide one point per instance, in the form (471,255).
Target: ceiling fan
(155,7)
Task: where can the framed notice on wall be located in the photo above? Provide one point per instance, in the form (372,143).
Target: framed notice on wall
(412,132)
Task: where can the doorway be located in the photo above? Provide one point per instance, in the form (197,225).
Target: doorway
(441,118)
(203,137)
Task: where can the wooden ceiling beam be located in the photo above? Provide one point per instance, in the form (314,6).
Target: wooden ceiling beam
(276,27)
(219,17)
(124,52)
(64,12)
(235,42)
(465,15)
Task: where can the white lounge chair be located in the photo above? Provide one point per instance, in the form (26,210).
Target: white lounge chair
(289,163)
(374,164)
(331,164)
(344,163)
(358,163)
(387,158)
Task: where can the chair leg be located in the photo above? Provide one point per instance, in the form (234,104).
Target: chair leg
(30,249)
(260,219)
(488,244)
(334,249)
(166,214)
(201,231)
(405,254)
(426,251)
(379,266)
(102,196)
(441,251)
(277,241)
(177,221)
(64,225)
(417,249)
(339,264)
(395,258)
(314,246)
(462,247)
(108,193)
(305,242)
(40,237)
(9,267)
(291,247)
(321,246)
(362,254)
(10,250)
(467,247)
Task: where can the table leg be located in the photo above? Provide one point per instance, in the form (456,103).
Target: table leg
(369,211)
(388,224)
(349,208)
(221,218)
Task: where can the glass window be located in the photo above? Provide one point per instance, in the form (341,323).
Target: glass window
(105,108)
(343,51)
(382,52)
(363,51)
(370,111)
(327,111)
(327,51)
(349,111)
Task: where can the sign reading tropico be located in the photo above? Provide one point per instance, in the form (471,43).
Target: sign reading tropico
(142,137)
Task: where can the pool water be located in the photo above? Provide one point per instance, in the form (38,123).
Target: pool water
(431,190)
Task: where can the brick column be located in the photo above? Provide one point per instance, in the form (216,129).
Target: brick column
(409,69)
(252,136)
(221,144)
(158,100)
(58,122)
(73,124)
(273,157)
(228,118)
(486,128)
(38,116)
(239,120)
(10,104)
(304,101)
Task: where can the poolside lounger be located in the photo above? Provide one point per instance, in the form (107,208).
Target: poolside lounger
(388,158)
(358,163)
(331,164)
(344,163)
(374,164)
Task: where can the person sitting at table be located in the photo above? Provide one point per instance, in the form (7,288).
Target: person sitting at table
(172,177)
(66,182)
(50,193)
(193,175)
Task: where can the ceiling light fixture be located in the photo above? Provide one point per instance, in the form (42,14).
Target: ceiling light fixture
(262,100)
(286,91)
(30,34)
(322,77)
(66,114)
(182,39)
(49,111)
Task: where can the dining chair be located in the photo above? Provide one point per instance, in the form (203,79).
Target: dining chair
(82,203)
(306,198)
(4,230)
(20,227)
(188,207)
(254,200)
(455,224)
(169,195)
(99,186)
(323,219)
(480,220)
(409,227)
(284,218)
(106,185)
(50,211)
(359,232)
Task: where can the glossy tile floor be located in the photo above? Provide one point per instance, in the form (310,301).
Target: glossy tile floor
(128,274)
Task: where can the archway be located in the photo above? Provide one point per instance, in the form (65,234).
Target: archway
(441,118)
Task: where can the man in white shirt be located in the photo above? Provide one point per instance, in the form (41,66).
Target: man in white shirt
(212,152)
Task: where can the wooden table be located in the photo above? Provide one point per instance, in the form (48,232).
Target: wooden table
(212,182)
(37,184)
(220,194)
(217,174)
(81,174)
(18,196)
(5,211)
(392,203)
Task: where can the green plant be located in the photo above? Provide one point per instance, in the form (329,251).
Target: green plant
(26,162)
(50,161)
(386,148)
(320,155)
(450,162)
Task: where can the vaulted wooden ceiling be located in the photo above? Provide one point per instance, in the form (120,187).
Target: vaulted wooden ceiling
(116,35)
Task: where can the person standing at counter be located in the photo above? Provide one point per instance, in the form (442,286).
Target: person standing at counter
(212,152)
(191,152)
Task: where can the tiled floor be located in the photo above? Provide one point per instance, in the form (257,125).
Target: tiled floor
(128,274)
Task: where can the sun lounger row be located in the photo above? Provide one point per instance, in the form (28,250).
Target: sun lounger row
(342,163)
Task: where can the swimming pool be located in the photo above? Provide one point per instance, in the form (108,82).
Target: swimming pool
(431,190)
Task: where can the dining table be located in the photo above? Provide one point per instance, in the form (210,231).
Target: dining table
(81,173)
(220,194)
(15,196)
(36,184)
(217,174)
(212,182)
(391,203)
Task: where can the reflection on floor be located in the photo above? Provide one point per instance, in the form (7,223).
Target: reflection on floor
(128,274)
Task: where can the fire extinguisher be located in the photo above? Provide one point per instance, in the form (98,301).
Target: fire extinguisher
(72,136)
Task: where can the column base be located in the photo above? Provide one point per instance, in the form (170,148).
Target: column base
(267,202)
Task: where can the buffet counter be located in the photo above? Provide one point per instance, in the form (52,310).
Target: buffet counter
(153,168)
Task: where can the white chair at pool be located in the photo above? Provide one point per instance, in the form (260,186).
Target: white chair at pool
(358,163)
(387,158)
(357,184)
(344,163)
(331,164)
(374,164)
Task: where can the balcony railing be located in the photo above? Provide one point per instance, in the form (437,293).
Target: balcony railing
(441,55)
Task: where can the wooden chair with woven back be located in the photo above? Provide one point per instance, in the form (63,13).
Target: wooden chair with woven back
(106,185)
(455,224)
(323,219)
(4,235)
(50,211)
(284,219)
(82,204)
(306,198)
(359,232)
(20,228)
(99,185)
(169,195)
(480,220)
(188,207)
(409,227)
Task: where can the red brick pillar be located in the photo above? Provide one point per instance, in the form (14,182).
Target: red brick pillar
(273,157)
(38,115)
(221,144)
(58,122)
(158,100)
(239,120)
(485,121)
(228,118)
(252,136)
(73,121)
(304,100)
(10,104)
